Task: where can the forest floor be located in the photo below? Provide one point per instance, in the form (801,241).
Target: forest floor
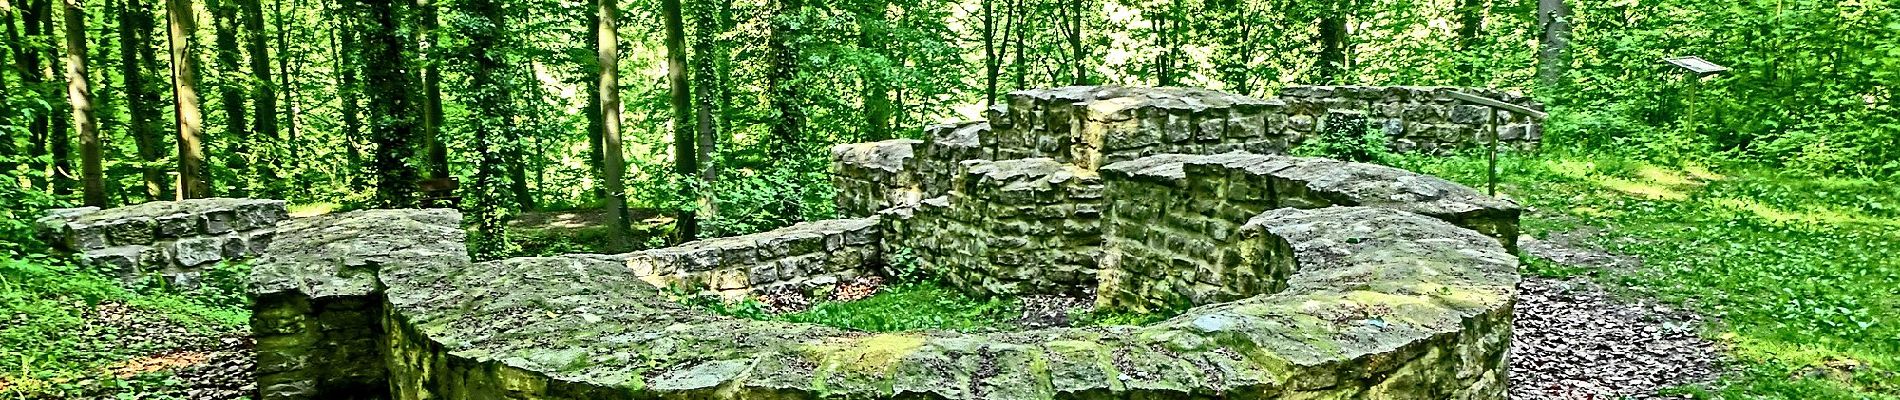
(1632,267)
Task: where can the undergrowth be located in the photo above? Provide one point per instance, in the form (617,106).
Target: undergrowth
(1801,272)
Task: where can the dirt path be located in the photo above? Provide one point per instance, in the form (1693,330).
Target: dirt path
(1572,340)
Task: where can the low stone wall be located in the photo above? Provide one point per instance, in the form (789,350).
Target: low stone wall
(171,239)
(1415,118)
(1092,126)
(1026,226)
(1382,304)
(317,305)
(806,254)
(1222,186)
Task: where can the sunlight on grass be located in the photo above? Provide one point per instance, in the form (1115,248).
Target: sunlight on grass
(312,209)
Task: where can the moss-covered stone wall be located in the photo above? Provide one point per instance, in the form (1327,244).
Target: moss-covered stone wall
(809,253)
(172,240)
(1029,226)
(1383,304)
(1415,118)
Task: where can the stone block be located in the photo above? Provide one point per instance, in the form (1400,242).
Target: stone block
(195,252)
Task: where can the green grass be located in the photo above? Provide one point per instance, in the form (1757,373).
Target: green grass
(49,349)
(920,306)
(1802,273)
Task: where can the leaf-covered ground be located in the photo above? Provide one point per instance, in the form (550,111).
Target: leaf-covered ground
(1800,275)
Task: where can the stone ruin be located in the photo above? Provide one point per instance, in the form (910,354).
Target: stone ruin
(172,240)
(1295,278)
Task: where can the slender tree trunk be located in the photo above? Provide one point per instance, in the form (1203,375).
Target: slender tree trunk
(285,53)
(232,96)
(1332,40)
(607,30)
(1470,26)
(1553,55)
(991,63)
(35,71)
(8,146)
(427,37)
(685,159)
(347,86)
(392,110)
(707,58)
(1077,52)
(191,156)
(263,93)
(141,101)
(786,98)
(59,137)
(79,94)
(597,161)
(877,86)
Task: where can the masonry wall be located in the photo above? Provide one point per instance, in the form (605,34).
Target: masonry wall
(810,253)
(1029,226)
(1415,118)
(1174,239)
(174,240)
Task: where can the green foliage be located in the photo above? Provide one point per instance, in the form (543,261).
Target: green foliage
(1357,141)
(1798,268)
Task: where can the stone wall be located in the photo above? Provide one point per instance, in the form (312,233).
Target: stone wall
(1174,240)
(174,240)
(1027,226)
(1382,304)
(1092,126)
(1415,118)
(317,297)
(807,254)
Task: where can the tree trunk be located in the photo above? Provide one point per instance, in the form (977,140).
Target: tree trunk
(595,156)
(1470,25)
(1332,42)
(708,57)
(786,98)
(991,64)
(392,112)
(1077,52)
(491,101)
(8,147)
(1553,55)
(685,159)
(877,86)
(614,168)
(79,94)
(232,96)
(263,92)
(432,89)
(191,157)
(285,52)
(136,59)
(348,86)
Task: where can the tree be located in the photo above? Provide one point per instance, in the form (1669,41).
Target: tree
(875,73)
(1553,55)
(782,90)
(136,59)
(432,89)
(231,95)
(1470,30)
(264,91)
(9,148)
(190,120)
(491,96)
(392,113)
(608,53)
(79,94)
(685,160)
(708,56)
(1332,41)
(33,76)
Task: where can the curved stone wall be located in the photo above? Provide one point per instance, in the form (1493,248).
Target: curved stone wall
(1382,304)
(1307,279)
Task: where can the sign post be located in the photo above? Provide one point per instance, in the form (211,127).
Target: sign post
(1491,172)
(1698,68)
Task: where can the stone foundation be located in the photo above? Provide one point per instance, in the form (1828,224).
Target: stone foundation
(1415,118)
(807,254)
(1309,279)
(173,240)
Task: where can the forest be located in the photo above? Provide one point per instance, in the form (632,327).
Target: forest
(651,124)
